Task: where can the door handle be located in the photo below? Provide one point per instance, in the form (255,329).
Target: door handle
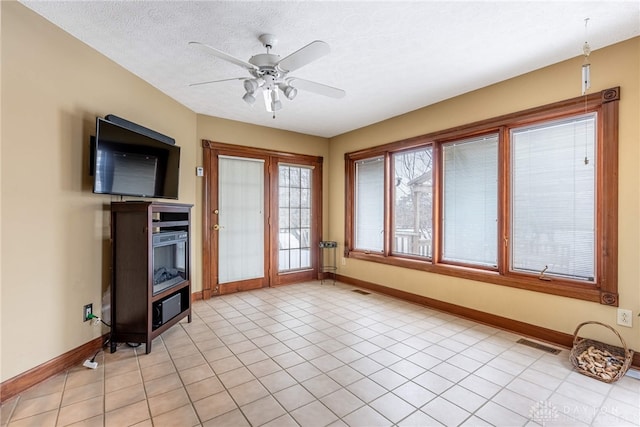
(216,227)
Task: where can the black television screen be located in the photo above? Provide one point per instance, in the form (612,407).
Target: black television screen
(128,163)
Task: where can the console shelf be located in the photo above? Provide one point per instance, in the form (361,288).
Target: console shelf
(139,250)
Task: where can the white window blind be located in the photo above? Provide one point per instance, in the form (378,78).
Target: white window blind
(470,201)
(241,219)
(369,209)
(553,198)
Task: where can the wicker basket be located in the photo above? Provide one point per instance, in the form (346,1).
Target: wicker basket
(616,360)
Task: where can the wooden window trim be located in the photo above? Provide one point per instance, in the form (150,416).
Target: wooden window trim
(605,289)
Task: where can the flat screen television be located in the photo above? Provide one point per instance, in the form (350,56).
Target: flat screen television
(128,163)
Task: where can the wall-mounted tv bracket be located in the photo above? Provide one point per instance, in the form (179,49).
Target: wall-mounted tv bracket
(140,129)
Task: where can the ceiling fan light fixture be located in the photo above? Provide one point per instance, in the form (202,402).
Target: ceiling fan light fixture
(289,91)
(276,104)
(249,98)
(269,73)
(272,101)
(251,85)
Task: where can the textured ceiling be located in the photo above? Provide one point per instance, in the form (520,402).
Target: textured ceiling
(390,57)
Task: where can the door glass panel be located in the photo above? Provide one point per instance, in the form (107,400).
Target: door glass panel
(294,220)
(241,219)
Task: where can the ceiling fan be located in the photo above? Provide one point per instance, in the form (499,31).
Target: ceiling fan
(270,73)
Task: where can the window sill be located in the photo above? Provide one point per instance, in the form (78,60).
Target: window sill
(564,288)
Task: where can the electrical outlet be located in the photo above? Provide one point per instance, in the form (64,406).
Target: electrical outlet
(87,312)
(344,261)
(625,318)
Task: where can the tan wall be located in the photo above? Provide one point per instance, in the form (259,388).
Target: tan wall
(55,230)
(614,66)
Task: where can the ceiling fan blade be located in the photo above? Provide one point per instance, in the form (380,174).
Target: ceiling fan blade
(314,87)
(303,56)
(217,81)
(222,55)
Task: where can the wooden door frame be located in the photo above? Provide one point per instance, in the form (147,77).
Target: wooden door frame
(211,150)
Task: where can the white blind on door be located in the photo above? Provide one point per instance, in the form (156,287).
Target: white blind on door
(241,217)
(553,198)
(470,205)
(369,209)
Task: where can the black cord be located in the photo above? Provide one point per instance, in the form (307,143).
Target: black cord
(104,344)
(106,324)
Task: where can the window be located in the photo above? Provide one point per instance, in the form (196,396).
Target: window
(470,201)
(369,204)
(413,202)
(527,200)
(553,198)
(294,217)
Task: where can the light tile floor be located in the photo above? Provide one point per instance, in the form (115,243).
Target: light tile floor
(317,355)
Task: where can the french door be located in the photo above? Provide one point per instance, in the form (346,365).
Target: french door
(241,221)
(262,218)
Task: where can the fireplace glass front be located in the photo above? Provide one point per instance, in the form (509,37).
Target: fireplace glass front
(169,259)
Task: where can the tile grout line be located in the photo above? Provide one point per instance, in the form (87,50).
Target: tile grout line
(297,382)
(144,388)
(13,409)
(216,374)
(316,320)
(64,387)
(104,387)
(184,386)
